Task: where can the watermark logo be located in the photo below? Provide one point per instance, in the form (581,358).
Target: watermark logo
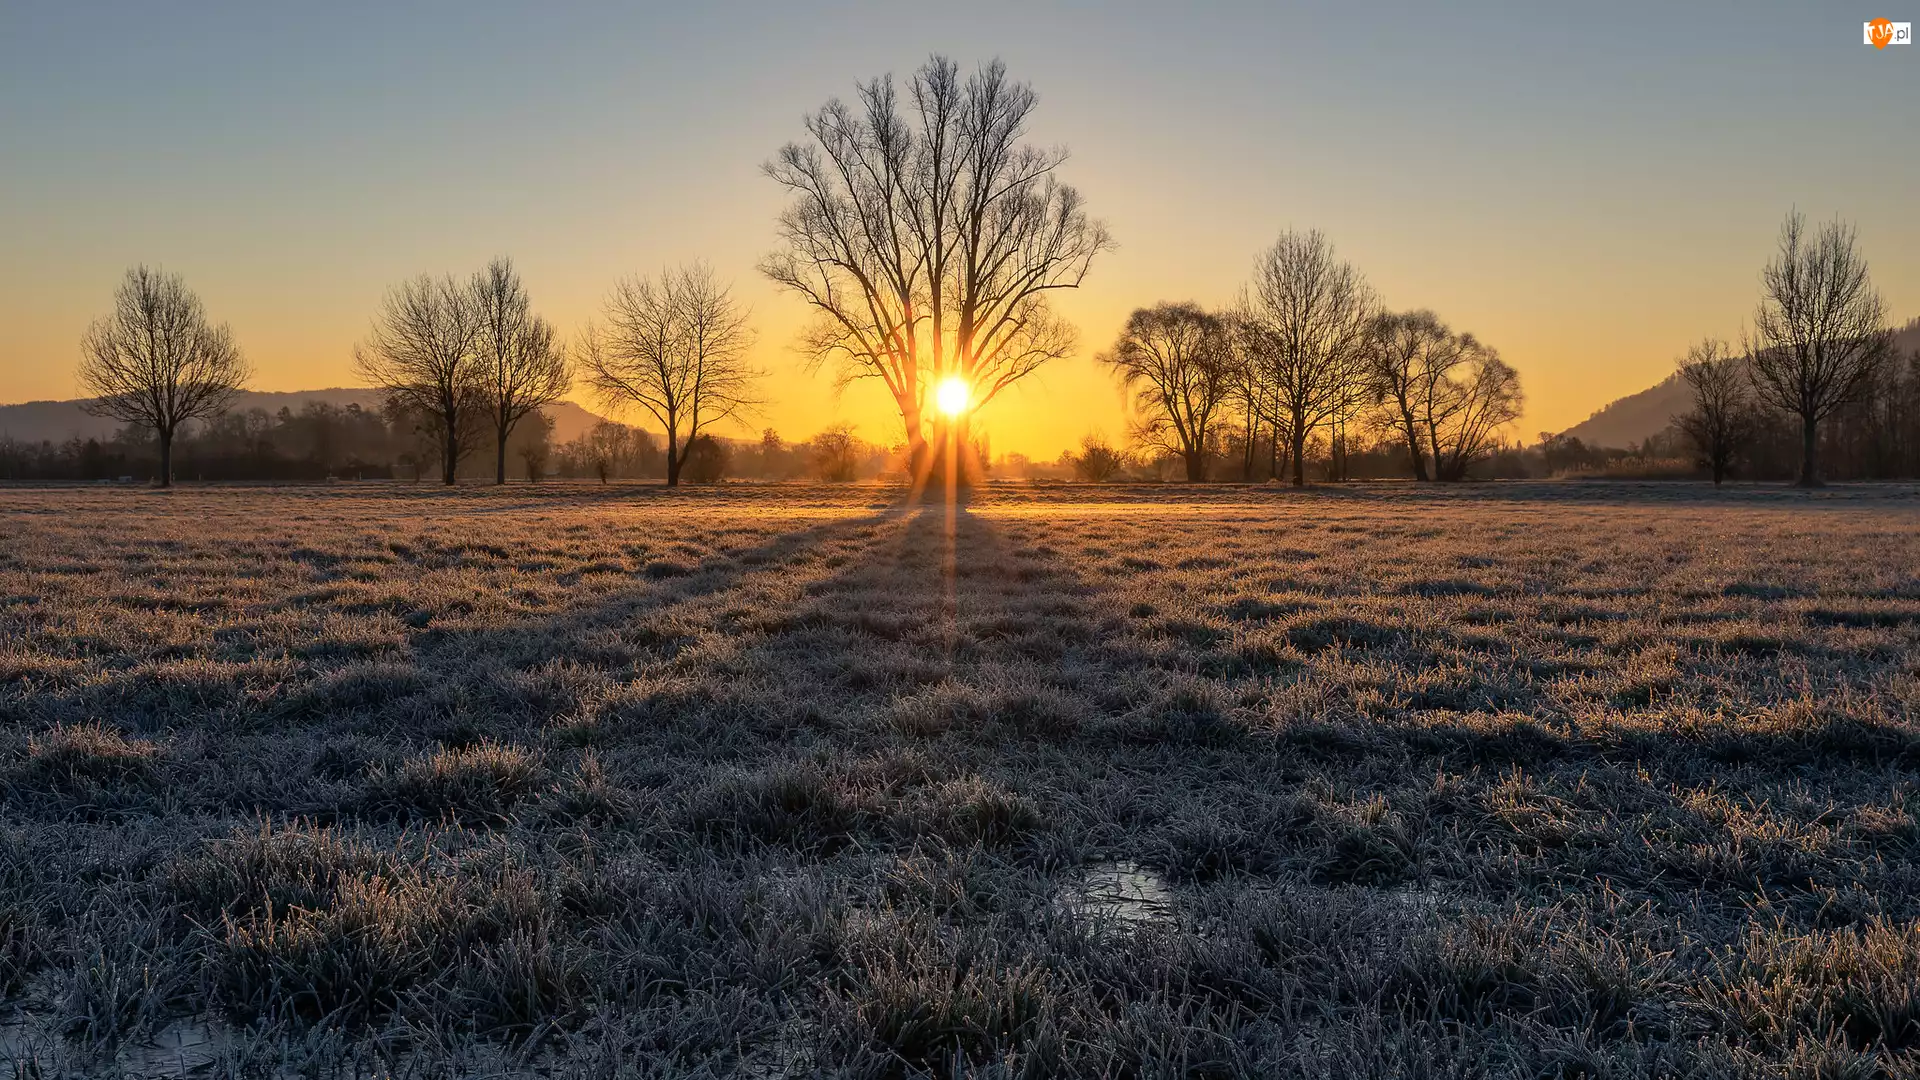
(1881,33)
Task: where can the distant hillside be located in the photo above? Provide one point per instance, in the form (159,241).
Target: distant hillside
(1633,418)
(1636,417)
(58,421)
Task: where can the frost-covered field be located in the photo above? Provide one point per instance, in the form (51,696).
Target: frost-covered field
(1508,780)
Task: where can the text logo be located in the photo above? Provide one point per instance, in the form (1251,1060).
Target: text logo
(1881,33)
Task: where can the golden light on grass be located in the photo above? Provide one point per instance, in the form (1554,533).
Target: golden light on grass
(952,395)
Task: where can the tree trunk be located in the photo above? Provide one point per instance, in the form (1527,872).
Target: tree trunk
(1809,475)
(945,464)
(450,453)
(954,471)
(1414,455)
(166,459)
(1299,452)
(500,458)
(674,458)
(1196,466)
(919,455)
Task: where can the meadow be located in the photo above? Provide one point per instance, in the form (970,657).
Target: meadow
(1498,780)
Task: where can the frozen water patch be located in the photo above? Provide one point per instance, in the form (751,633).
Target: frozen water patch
(184,1048)
(181,1049)
(1408,902)
(24,1051)
(1122,893)
(784,1055)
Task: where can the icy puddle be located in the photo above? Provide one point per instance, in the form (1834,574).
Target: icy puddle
(1120,893)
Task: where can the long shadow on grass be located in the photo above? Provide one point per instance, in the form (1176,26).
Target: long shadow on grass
(958,652)
(466,670)
(1135,743)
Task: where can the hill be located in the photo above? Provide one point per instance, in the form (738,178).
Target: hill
(1636,417)
(58,421)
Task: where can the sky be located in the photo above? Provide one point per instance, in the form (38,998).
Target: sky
(1589,188)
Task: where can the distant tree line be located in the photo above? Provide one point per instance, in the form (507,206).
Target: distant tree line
(322,441)
(319,441)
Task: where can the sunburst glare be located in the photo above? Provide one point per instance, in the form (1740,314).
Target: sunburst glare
(952,395)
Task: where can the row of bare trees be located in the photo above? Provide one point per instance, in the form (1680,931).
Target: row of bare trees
(468,358)
(1308,348)
(674,347)
(1820,342)
(924,230)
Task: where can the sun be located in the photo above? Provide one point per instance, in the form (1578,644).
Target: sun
(951,395)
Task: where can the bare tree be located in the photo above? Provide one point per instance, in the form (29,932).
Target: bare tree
(836,454)
(677,348)
(157,362)
(423,354)
(1306,316)
(1254,396)
(1097,462)
(1409,355)
(1245,400)
(608,450)
(1820,336)
(522,368)
(1445,394)
(1179,361)
(1721,423)
(1467,411)
(927,235)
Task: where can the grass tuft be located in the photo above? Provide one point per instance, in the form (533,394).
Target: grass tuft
(481,783)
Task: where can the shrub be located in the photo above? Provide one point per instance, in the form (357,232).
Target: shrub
(707,460)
